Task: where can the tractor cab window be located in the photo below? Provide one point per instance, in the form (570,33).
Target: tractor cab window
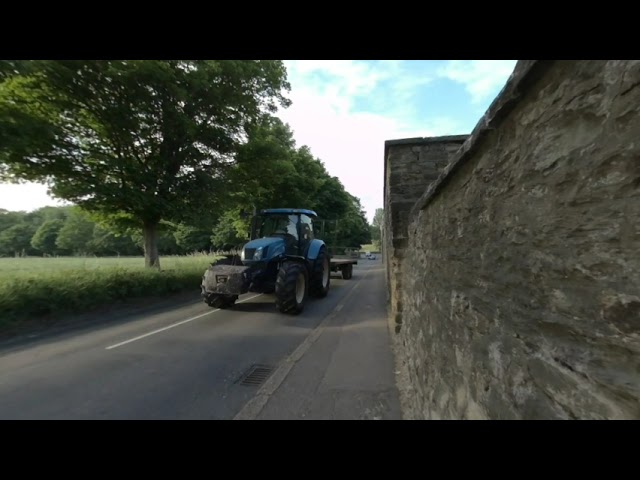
(306,228)
(278,226)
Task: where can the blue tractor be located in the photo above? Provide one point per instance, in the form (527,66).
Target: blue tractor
(282,257)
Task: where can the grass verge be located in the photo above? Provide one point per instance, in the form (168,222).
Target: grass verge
(49,291)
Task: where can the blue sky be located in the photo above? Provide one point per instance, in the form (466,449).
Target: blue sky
(344,110)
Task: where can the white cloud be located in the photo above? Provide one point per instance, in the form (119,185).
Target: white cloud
(337,82)
(481,78)
(351,143)
(25,197)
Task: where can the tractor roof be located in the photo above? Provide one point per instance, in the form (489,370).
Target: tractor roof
(289,211)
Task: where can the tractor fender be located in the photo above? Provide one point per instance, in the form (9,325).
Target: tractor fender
(314,248)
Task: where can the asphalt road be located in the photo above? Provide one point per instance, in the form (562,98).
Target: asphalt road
(187,362)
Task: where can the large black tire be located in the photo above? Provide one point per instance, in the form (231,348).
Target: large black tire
(347,272)
(292,287)
(321,276)
(222,301)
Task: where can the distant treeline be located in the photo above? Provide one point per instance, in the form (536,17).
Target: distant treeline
(70,231)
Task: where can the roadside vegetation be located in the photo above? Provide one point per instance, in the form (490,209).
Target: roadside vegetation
(155,159)
(48,287)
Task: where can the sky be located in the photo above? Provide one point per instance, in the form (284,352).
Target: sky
(344,111)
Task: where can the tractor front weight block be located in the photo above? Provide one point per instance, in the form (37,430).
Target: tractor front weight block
(226,280)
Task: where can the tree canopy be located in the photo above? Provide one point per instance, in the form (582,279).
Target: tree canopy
(149,138)
(157,156)
(272,172)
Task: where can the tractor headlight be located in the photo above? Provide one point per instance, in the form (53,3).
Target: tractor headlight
(258,253)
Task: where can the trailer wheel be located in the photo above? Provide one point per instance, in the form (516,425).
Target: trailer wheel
(347,272)
(292,286)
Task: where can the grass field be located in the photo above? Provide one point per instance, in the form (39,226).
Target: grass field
(29,266)
(36,287)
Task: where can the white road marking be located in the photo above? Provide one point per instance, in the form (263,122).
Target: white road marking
(174,325)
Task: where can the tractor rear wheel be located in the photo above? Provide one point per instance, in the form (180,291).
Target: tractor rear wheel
(292,286)
(321,276)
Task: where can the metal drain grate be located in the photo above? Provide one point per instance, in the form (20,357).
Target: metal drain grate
(256,375)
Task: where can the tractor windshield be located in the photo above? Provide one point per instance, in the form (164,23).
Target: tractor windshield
(277,226)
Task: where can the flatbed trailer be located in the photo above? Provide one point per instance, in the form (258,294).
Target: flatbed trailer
(343,265)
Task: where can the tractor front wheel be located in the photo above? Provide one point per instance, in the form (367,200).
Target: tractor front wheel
(292,286)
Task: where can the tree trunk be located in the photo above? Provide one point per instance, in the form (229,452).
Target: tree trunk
(151,258)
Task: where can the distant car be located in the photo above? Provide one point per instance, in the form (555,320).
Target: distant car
(370,256)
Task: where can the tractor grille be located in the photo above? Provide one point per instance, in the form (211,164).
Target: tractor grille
(248,253)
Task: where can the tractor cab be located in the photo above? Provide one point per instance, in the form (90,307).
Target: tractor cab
(281,230)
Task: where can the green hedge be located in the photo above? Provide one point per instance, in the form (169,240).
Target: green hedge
(77,291)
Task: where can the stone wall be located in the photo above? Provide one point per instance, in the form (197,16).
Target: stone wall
(410,164)
(520,278)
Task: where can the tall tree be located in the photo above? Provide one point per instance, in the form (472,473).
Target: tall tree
(105,242)
(148,139)
(378,217)
(45,237)
(39,216)
(192,239)
(16,240)
(376,227)
(353,229)
(9,219)
(76,233)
